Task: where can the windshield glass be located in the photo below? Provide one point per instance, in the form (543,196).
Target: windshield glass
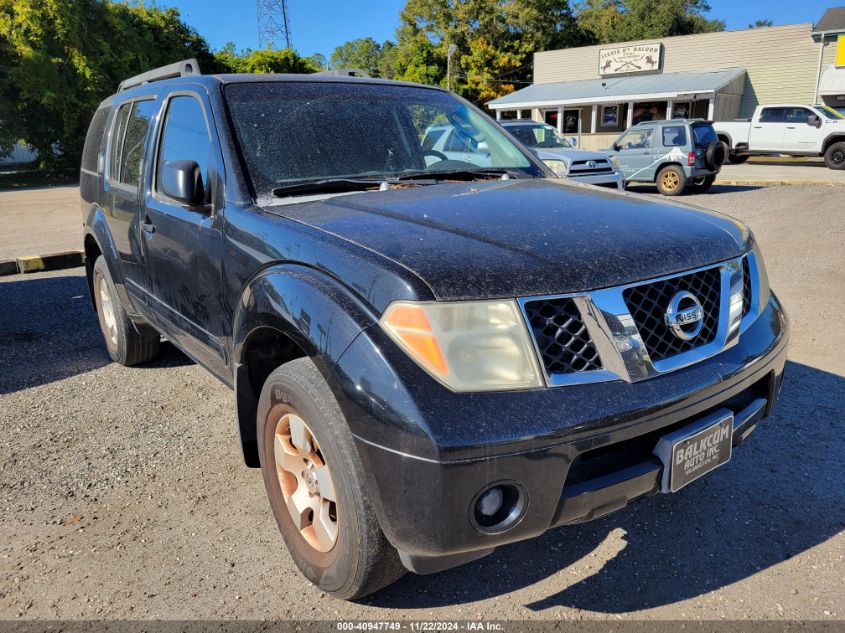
(538,136)
(829,112)
(293,132)
(704,134)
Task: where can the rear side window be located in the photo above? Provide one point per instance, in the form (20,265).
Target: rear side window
(773,115)
(675,136)
(94,138)
(129,142)
(185,135)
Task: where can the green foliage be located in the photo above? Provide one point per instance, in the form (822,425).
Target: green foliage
(760,24)
(364,53)
(607,21)
(495,41)
(60,58)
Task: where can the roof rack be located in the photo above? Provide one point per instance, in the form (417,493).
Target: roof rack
(345,72)
(179,69)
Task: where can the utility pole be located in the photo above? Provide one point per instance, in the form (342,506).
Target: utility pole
(449,52)
(273,24)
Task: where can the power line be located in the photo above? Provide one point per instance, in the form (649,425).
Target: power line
(273,24)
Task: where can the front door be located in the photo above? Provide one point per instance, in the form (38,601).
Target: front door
(635,149)
(799,135)
(183,246)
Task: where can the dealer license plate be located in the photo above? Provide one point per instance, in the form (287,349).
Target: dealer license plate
(695,450)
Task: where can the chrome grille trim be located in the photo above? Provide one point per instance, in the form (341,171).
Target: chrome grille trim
(615,335)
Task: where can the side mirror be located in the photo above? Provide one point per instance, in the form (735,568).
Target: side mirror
(182,181)
(814,120)
(615,147)
(573,140)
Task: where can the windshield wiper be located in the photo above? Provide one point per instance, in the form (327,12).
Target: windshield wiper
(457,174)
(328,185)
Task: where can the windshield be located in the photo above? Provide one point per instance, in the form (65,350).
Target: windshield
(292,132)
(538,136)
(829,112)
(704,134)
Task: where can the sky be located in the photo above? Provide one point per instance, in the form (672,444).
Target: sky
(318,26)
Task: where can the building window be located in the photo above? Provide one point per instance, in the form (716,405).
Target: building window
(570,121)
(653,111)
(610,116)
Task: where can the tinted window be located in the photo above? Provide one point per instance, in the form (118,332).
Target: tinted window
(185,135)
(704,135)
(128,162)
(797,115)
(636,139)
(431,137)
(675,136)
(773,115)
(118,133)
(296,131)
(94,138)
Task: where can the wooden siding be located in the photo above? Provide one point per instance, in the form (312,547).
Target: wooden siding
(781,61)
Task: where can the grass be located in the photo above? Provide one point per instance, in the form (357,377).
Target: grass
(38,178)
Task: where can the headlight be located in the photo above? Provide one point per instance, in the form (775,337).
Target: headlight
(557,166)
(617,166)
(466,345)
(763,290)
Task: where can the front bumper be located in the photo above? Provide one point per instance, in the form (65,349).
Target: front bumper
(615,179)
(577,452)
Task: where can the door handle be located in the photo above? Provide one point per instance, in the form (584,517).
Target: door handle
(790,127)
(758,127)
(148,227)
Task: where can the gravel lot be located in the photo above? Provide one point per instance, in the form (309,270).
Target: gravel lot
(122,493)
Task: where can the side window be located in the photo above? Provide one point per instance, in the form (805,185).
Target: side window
(797,115)
(675,136)
(431,138)
(772,115)
(636,139)
(94,138)
(185,135)
(129,142)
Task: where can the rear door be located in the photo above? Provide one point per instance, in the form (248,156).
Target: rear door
(768,130)
(182,243)
(126,158)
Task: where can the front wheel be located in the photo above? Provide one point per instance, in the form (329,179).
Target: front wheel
(671,181)
(834,157)
(317,488)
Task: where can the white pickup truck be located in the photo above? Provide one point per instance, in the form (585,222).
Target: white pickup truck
(786,128)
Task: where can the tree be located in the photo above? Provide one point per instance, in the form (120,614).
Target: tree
(364,53)
(608,21)
(760,24)
(495,41)
(319,60)
(60,58)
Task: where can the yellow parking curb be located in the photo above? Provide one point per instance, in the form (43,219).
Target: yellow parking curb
(781,182)
(31,264)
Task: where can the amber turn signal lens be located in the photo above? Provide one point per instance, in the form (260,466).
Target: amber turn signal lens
(411,327)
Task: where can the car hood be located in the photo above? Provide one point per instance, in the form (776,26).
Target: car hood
(569,154)
(520,238)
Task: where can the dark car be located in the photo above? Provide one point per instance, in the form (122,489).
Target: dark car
(429,358)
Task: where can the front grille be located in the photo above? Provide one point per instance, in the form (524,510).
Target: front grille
(746,286)
(648,303)
(580,168)
(561,336)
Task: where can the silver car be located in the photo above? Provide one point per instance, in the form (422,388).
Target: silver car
(594,168)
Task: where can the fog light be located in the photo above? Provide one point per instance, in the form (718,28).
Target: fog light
(498,507)
(491,501)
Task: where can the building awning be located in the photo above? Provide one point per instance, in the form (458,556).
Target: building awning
(832,81)
(616,89)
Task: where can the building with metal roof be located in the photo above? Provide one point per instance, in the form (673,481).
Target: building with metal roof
(597,92)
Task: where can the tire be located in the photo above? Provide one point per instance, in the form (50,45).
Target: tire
(123,342)
(671,181)
(715,155)
(737,159)
(834,157)
(727,151)
(350,556)
(702,184)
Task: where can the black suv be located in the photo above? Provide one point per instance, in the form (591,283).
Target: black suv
(430,357)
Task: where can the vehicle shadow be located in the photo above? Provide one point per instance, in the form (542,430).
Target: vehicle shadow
(782,494)
(49,331)
(715,189)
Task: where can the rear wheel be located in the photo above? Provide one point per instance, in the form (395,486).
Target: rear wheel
(317,488)
(834,157)
(671,181)
(123,342)
(737,159)
(701,185)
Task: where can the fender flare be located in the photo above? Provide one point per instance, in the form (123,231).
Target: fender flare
(97,228)
(315,312)
(833,137)
(724,136)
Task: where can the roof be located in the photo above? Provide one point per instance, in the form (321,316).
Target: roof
(832,20)
(614,89)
